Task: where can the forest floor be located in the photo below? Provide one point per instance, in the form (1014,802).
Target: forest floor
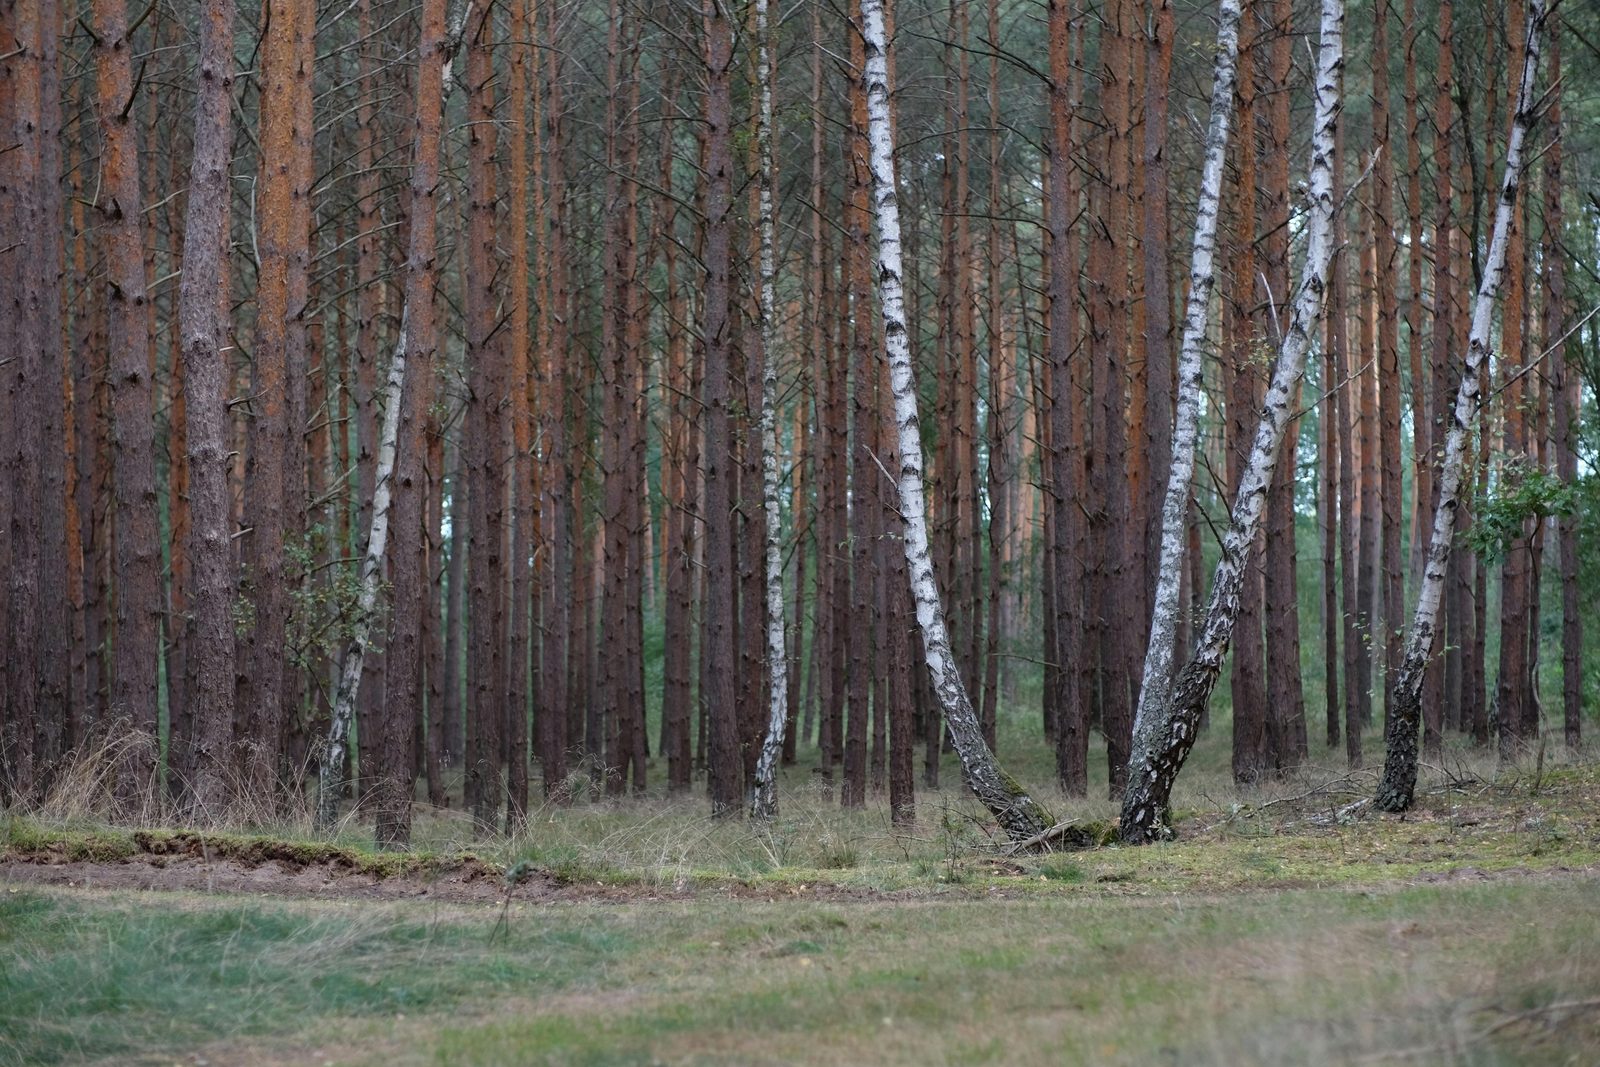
(1288,924)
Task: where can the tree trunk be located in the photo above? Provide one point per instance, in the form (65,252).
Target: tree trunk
(399,483)
(335,748)
(1385,252)
(1017,812)
(1108,462)
(1240,330)
(1065,623)
(1566,394)
(863,411)
(555,511)
(33,701)
(1397,788)
(1514,698)
(487,705)
(519,681)
(765,801)
(203,298)
(1443,687)
(260,705)
(1159,438)
(1158,662)
(722,757)
(1145,808)
(1284,718)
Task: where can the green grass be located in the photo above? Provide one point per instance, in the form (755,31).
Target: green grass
(109,976)
(1270,932)
(1311,976)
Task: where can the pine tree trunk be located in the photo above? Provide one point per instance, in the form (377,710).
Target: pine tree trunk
(556,503)
(1566,395)
(1284,718)
(1514,701)
(519,411)
(1385,252)
(1442,687)
(260,707)
(1247,680)
(722,755)
(1328,530)
(617,379)
(1108,462)
(1065,623)
(1159,438)
(33,702)
(487,705)
(204,304)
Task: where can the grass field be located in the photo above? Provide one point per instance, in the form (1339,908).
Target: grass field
(1283,927)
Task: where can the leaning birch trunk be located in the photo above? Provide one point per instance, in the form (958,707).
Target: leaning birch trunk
(331,776)
(1191,370)
(1396,790)
(1167,732)
(1017,812)
(764,803)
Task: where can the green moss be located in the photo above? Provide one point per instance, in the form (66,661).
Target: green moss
(102,846)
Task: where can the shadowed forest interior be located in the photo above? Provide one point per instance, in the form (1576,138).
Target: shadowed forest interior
(445,403)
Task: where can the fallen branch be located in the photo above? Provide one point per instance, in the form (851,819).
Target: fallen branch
(1075,835)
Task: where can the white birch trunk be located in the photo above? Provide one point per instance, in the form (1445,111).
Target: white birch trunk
(330,778)
(1170,723)
(1017,812)
(331,775)
(1191,369)
(1397,788)
(764,804)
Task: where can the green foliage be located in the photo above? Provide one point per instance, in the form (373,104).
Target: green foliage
(1523,492)
(324,601)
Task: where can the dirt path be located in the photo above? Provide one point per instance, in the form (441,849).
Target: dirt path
(269,869)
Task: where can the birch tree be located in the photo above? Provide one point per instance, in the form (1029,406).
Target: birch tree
(1018,813)
(1191,373)
(764,804)
(1166,732)
(1396,790)
(331,770)
(409,367)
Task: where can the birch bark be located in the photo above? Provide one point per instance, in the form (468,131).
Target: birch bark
(331,772)
(408,367)
(1163,740)
(765,801)
(1396,791)
(1191,372)
(1018,813)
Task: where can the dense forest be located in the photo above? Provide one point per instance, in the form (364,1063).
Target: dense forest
(455,401)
